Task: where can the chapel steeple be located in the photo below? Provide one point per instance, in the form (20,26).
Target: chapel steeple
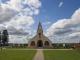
(40,30)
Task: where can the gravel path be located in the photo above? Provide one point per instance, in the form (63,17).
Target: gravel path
(39,55)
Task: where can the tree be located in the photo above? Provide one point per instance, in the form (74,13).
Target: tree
(5,37)
(0,38)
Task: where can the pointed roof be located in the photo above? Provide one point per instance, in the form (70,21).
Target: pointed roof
(39,27)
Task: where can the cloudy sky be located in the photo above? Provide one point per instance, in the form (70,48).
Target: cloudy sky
(60,19)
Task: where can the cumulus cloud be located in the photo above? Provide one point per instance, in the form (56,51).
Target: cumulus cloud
(22,4)
(2,27)
(6,14)
(63,28)
(19,21)
(20,26)
(18,39)
(17,15)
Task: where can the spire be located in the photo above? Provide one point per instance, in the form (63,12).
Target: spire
(40,30)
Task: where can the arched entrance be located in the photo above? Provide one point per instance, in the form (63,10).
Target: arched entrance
(46,43)
(32,43)
(39,43)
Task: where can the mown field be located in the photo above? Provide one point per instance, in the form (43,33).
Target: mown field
(25,54)
(8,54)
(62,54)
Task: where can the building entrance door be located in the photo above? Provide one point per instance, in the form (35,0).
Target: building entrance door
(39,43)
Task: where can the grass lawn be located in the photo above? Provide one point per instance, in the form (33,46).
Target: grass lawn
(17,54)
(61,55)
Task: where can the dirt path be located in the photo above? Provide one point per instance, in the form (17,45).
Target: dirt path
(39,55)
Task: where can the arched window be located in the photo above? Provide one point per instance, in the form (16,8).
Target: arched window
(32,43)
(46,43)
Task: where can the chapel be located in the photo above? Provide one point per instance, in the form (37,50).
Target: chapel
(40,40)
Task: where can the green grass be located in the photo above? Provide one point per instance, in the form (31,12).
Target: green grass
(17,54)
(61,55)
